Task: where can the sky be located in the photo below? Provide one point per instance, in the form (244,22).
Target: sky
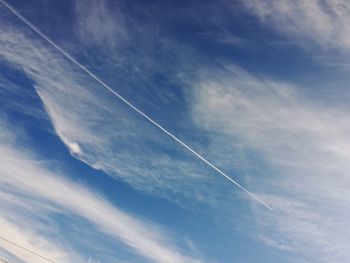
(258,88)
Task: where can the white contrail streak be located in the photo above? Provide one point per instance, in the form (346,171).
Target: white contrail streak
(92,75)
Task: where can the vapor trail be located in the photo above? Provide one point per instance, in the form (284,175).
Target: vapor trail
(92,75)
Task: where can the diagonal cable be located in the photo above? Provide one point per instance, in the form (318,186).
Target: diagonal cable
(25,249)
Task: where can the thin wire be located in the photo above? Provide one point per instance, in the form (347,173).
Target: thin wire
(3,260)
(92,75)
(26,249)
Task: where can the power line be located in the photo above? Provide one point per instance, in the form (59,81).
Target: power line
(103,84)
(25,249)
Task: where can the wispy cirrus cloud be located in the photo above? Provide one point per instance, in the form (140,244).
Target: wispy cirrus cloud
(326,23)
(100,25)
(33,196)
(101,131)
(304,148)
(29,239)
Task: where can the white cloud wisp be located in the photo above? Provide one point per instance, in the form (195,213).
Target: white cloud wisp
(22,175)
(82,118)
(305,147)
(326,23)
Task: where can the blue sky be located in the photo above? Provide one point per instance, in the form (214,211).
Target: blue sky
(257,87)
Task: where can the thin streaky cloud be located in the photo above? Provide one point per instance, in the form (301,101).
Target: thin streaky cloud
(26,249)
(92,75)
(325,23)
(306,146)
(23,175)
(17,226)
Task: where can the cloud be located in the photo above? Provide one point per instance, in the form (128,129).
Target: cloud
(300,153)
(326,23)
(101,131)
(34,242)
(16,98)
(30,189)
(100,25)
